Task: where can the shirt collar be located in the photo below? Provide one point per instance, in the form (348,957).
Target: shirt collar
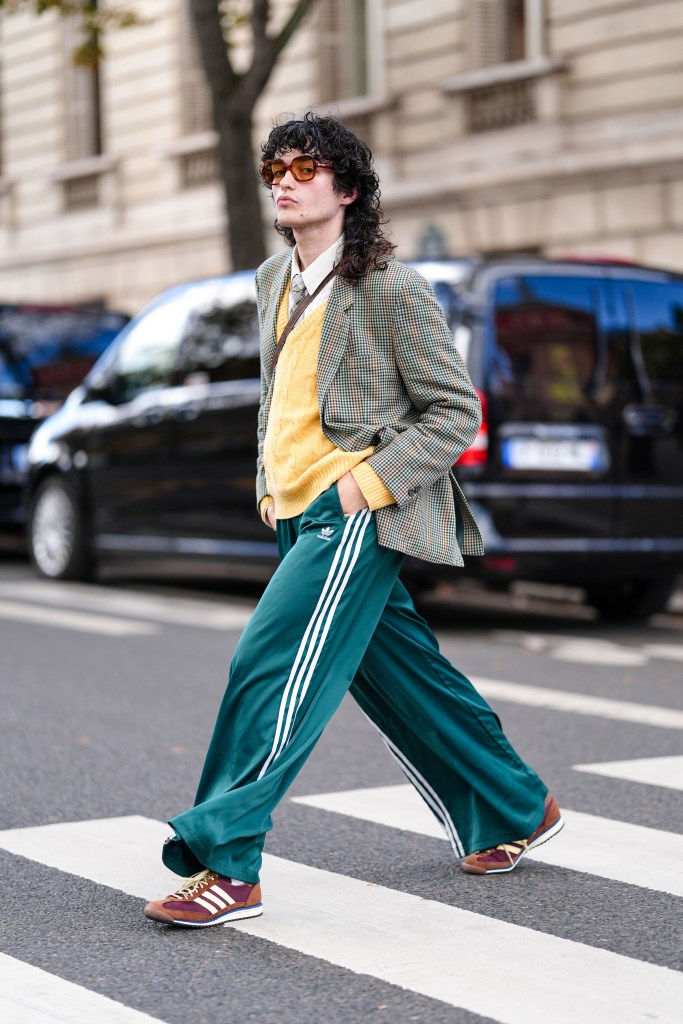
(318,270)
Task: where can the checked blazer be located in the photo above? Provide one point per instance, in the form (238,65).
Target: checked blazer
(389,375)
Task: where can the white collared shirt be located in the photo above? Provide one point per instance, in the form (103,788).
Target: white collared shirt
(317,271)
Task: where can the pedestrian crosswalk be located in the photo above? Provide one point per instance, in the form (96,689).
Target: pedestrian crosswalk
(457,957)
(426,946)
(632,854)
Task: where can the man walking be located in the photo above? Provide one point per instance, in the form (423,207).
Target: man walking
(365,406)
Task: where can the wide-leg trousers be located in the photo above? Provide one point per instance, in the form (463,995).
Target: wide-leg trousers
(336,617)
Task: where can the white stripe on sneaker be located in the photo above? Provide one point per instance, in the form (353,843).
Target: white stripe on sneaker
(337,578)
(221,894)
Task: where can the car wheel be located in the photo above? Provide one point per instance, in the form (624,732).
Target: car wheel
(631,599)
(56,533)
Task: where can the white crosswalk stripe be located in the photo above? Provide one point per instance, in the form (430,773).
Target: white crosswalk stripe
(35,600)
(430,948)
(29,995)
(612,849)
(652,771)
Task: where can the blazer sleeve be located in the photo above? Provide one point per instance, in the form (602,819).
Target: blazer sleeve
(439,388)
(261,485)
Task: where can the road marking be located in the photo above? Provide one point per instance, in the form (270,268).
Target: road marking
(589,650)
(674,652)
(651,859)
(80,621)
(180,611)
(29,995)
(580,703)
(653,771)
(439,951)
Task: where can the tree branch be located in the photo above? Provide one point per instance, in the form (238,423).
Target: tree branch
(292,24)
(213,50)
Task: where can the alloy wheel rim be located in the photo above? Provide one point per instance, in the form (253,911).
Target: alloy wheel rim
(53,531)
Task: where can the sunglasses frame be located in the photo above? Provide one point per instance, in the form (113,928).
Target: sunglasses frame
(290,167)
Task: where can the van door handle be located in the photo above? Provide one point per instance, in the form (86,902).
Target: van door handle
(646,419)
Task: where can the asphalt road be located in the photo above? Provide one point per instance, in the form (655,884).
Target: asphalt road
(109,694)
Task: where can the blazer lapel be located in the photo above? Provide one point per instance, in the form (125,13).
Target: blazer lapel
(275,286)
(335,335)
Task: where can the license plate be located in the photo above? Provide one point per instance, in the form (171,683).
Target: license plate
(581,455)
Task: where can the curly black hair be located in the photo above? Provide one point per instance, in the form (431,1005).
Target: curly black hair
(365,247)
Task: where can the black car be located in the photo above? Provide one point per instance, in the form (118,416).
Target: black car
(576,475)
(45,351)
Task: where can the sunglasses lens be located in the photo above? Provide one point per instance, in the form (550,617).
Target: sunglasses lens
(273,171)
(303,168)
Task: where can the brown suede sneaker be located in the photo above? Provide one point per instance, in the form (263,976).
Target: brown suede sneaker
(207,898)
(506,856)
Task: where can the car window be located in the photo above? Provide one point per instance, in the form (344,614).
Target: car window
(655,311)
(147,355)
(548,353)
(221,341)
(47,350)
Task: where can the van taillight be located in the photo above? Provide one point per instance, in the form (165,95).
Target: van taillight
(477,453)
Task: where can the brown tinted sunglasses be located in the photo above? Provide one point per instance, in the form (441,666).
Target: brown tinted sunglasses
(303,168)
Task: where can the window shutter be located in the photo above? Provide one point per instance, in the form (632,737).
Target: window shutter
(81,98)
(197,112)
(487,19)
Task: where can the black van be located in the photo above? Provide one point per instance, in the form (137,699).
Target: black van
(45,351)
(576,475)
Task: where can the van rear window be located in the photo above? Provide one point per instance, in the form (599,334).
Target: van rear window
(547,344)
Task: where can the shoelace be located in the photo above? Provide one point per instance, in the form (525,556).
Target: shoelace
(193,884)
(511,850)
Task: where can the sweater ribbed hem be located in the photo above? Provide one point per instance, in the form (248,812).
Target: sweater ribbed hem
(295,499)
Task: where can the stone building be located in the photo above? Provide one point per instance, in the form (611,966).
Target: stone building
(499,126)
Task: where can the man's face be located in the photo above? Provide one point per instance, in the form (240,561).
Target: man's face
(302,205)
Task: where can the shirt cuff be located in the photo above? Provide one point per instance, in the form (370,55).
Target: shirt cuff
(374,490)
(263,505)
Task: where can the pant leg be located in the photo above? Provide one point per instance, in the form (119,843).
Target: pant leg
(444,735)
(293,664)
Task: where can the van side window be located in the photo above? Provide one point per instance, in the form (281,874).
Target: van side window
(548,346)
(656,312)
(221,342)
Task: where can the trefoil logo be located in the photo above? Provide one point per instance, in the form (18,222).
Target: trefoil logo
(325,533)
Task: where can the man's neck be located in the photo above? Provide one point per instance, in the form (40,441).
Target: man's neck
(315,240)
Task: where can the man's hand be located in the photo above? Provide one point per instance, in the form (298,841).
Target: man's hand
(350,494)
(270,516)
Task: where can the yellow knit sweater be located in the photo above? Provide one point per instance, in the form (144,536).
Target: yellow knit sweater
(300,461)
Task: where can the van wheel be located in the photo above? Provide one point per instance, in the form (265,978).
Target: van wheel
(631,599)
(56,536)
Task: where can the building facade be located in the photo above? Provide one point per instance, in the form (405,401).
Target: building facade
(499,126)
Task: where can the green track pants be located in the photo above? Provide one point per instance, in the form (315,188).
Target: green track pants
(335,616)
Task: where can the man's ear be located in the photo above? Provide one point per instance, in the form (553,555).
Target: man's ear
(349,197)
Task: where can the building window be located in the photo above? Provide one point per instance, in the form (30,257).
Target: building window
(505,30)
(344,66)
(198,164)
(83,136)
(82,117)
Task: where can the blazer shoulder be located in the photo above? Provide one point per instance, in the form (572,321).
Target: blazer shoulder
(396,278)
(273,266)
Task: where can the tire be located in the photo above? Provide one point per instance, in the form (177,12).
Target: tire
(630,600)
(56,534)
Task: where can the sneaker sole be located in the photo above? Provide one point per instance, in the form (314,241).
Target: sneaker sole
(548,834)
(227,918)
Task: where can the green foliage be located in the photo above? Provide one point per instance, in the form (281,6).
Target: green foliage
(95,19)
